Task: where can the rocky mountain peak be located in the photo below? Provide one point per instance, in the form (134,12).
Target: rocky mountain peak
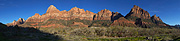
(36,15)
(136,6)
(103,15)
(138,12)
(52,9)
(18,22)
(105,11)
(115,16)
(154,17)
(77,10)
(133,18)
(14,21)
(21,19)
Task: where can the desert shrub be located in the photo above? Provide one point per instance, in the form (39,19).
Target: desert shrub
(101,23)
(115,31)
(118,39)
(86,22)
(84,32)
(124,31)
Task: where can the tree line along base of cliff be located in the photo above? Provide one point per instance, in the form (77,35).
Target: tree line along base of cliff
(88,33)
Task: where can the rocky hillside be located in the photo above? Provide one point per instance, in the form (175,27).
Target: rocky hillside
(77,17)
(18,22)
(143,19)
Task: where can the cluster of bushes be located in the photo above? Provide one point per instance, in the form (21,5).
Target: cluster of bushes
(144,38)
(124,32)
(101,23)
(114,33)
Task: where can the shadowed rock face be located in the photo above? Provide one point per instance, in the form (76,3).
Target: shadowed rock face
(154,17)
(142,18)
(119,20)
(20,21)
(158,21)
(115,16)
(138,12)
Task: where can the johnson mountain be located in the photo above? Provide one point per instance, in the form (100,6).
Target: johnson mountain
(77,17)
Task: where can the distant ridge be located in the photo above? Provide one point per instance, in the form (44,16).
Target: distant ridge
(77,17)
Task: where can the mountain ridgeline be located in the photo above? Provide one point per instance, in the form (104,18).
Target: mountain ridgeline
(77,17)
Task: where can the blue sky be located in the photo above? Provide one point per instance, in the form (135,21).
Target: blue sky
(167,10)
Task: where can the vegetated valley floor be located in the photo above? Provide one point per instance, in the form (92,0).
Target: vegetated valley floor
(117,33)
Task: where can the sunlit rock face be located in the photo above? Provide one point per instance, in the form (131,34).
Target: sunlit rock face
(18,22)
(54,13)
(35,18)
(154,17)
(138,12)
(53,17)
(81,14)
(52,9)
(103,15)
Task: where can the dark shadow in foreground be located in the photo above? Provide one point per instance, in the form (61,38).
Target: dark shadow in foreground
(25,34)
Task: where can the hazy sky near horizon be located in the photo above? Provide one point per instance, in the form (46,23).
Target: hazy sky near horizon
(167,10)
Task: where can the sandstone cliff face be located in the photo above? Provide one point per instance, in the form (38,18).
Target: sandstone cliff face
(103,18)
(142,18)
(52,9)
(35,18)
(81,14)
(79,17)
(54,13)
(20,21)
(103,15)
(154,17)
(115,16)
(138,12)
(119,20)
(158,21)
